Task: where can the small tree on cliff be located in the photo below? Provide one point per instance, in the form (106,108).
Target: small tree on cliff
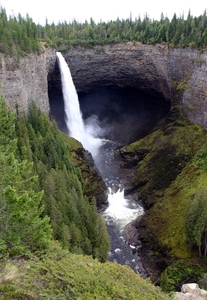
(21,225)
(196,221)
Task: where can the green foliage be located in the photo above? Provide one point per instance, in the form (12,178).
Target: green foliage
(200,158)
(75,221)
(179,273)
(19,36)
(183,85)
(202,282)
(60,275)
(21,226)
(196,220)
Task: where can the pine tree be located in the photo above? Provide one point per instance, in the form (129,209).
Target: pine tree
(196,221)
(21,225)
(74,220)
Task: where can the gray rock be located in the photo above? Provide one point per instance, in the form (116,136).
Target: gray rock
(191,291)
(25,80)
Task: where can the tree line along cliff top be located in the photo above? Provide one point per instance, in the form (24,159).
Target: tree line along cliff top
(20,35)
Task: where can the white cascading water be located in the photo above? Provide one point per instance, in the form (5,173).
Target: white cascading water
(120,211)
(73,116)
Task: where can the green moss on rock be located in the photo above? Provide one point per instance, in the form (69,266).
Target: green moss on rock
(165,180)
(169,151)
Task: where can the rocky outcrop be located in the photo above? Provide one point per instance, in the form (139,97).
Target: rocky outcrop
(124,64)
(191,291)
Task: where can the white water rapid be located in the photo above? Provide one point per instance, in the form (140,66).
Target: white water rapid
(120,211)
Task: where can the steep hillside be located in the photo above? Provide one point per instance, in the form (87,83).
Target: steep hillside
(58,274)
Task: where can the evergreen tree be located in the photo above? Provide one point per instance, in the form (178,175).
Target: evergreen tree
(21,225)
(196,221)
(19,35)
(75,221)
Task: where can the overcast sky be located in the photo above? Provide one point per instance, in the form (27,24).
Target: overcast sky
(105,10)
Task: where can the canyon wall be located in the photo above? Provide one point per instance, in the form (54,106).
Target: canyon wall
(157,70)
(25,80)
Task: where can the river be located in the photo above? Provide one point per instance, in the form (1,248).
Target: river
(120,211)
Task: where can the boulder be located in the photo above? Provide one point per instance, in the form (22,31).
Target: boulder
(191,291)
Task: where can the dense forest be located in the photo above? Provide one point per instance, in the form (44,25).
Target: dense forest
(42,192)
(20,35)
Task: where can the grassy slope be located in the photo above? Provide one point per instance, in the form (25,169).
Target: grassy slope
(59,274)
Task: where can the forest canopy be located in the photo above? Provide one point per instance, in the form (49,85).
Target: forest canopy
(41,192)
(20,35)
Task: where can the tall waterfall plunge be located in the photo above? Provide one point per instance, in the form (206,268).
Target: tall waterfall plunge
(120,211)
(73,117)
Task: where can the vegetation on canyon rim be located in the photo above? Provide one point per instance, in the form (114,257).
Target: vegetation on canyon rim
(58,274)
(19,35)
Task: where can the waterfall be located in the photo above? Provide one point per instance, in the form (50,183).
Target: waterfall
(73,116)
(120,211)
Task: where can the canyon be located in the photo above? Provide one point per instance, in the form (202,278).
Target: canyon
(171,77)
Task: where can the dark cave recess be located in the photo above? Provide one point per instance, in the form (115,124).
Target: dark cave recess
(124,114)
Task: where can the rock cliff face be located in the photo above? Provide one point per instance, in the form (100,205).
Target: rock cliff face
(25,80)
(157,70)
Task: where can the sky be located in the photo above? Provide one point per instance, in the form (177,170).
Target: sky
(105,10)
